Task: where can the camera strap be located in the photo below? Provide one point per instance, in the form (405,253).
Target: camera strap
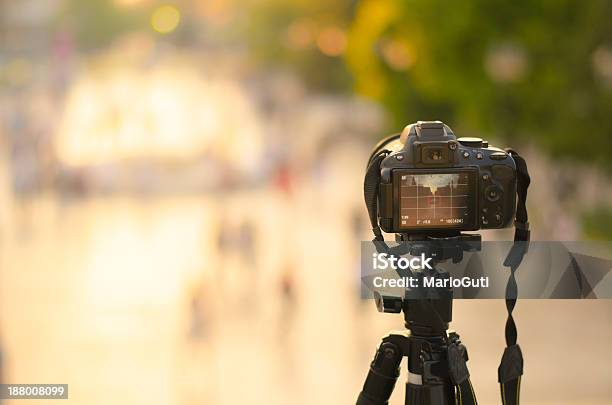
(370,191)
(510,369)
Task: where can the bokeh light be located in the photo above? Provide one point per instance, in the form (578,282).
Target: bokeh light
(399,55)
(602,64)
(131,3)
(332,41)
(300,34)
(216,12)
(165,19)
(506,63)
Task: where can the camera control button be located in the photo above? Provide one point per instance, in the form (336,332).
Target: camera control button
(493,193)
(498,218)
(486,177)
(478,155)
(399,157)
(498,155)
(466,154)
(484,220)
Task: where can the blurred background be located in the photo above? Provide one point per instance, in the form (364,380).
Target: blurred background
(181,187)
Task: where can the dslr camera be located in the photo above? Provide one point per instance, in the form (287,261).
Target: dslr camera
(432,182)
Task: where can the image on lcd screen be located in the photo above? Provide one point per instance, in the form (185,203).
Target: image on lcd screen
(434,200)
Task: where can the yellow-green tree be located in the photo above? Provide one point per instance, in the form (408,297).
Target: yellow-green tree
(539,69)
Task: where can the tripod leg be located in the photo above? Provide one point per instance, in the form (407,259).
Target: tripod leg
(384,371)
(457,358)
(428,381)
(438,373)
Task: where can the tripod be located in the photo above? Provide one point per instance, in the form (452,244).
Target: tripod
(437,369)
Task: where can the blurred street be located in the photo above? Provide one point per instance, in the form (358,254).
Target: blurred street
(133,300)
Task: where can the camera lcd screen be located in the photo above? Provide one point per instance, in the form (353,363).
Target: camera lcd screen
(436,199)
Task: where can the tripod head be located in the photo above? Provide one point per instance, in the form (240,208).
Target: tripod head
(431,312)
(442,246)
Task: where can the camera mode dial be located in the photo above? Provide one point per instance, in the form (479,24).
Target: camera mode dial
(470,142)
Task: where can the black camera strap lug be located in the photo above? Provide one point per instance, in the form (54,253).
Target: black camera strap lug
(371,184)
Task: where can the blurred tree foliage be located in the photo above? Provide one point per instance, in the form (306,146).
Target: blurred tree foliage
(96,23)
(292,32)
(597,224)
(538,69)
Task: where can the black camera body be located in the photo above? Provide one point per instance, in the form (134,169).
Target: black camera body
(432,181)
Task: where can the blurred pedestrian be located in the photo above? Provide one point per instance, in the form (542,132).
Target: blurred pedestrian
(287,287)
(283,179)
(357,227)
(287,290)
(223,236)
(358,222)
(198,314)
(246,241)
(224,246)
